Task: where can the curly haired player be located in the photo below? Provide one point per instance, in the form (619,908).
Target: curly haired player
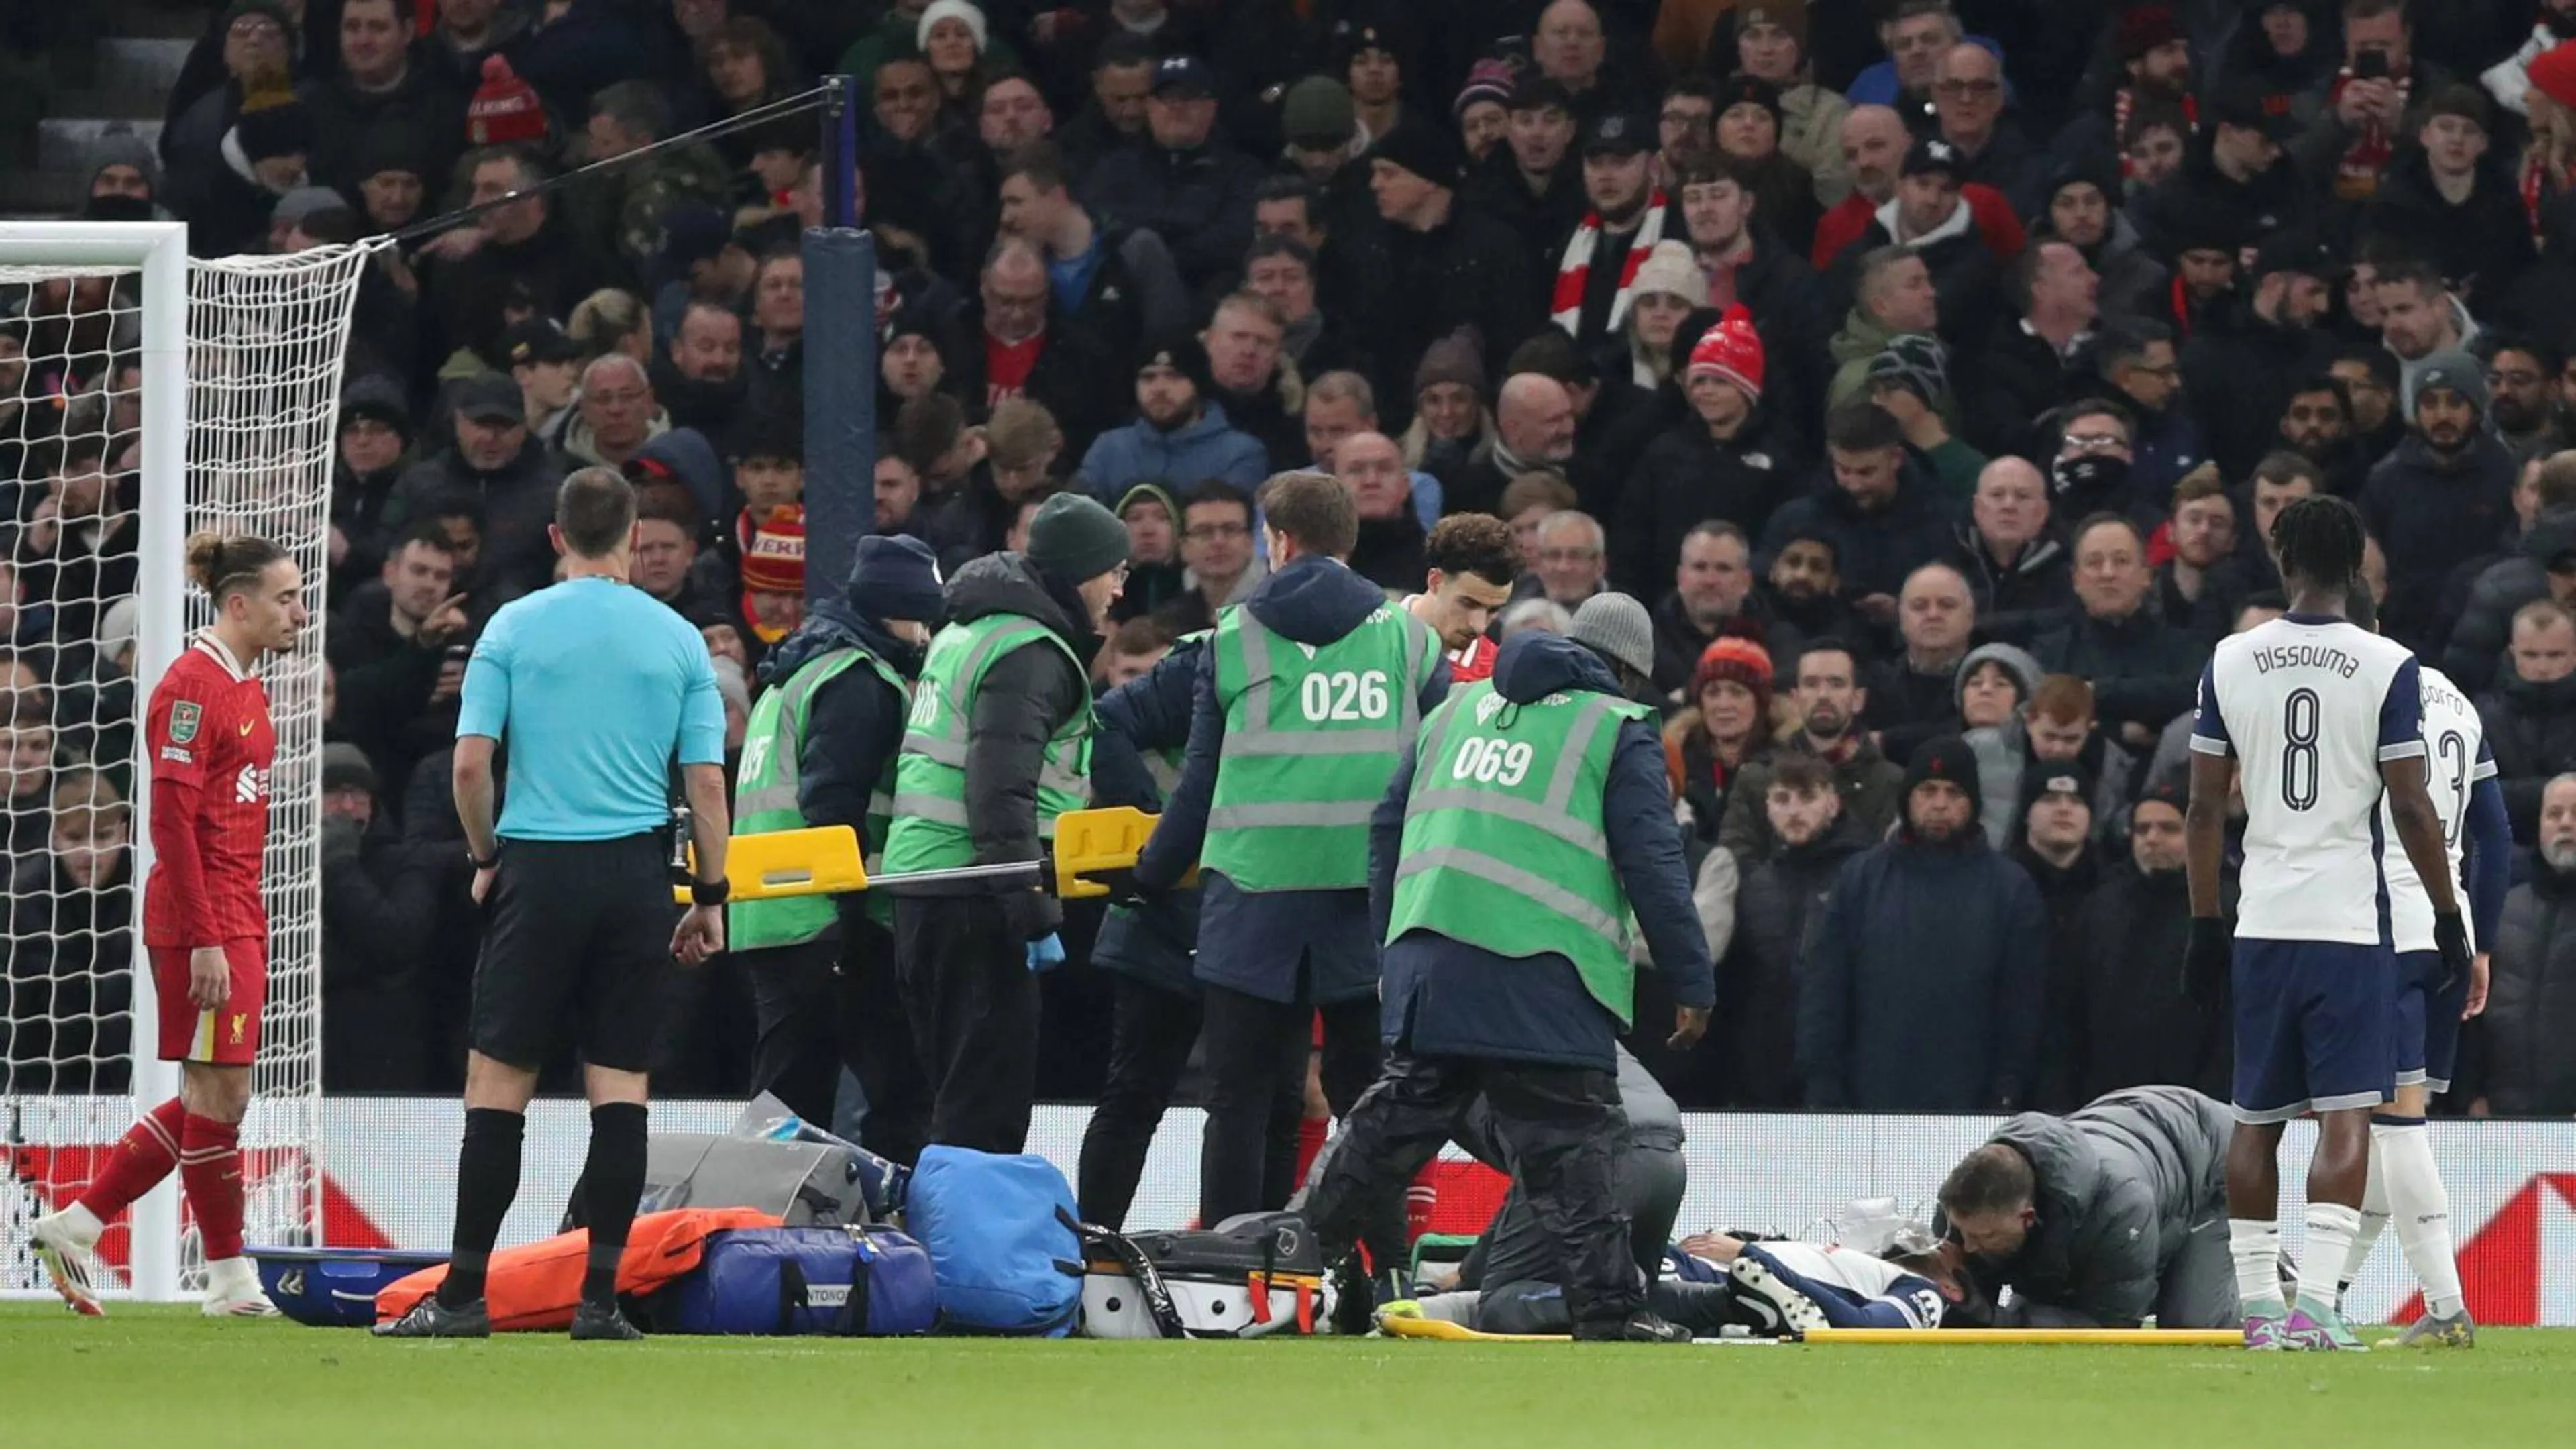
(212,745)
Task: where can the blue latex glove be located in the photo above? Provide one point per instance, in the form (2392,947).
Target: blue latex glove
(1046,955)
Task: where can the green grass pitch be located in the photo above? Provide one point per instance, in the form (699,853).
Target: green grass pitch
(165,1377)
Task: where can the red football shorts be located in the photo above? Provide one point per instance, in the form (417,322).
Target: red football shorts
(227,1036)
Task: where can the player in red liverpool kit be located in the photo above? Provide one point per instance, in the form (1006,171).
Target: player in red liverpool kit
(1471,563)
(210,746)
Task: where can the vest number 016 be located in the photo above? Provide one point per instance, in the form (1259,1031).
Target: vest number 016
(1492,762)
(1343,695)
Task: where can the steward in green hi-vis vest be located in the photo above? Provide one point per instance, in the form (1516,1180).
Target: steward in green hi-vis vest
(1312,735)
(765,800)
(1504,846)
(930,830)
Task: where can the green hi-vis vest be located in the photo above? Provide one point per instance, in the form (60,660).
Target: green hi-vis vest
(1312,734)
(930,831)
(765,800)
(1503,844)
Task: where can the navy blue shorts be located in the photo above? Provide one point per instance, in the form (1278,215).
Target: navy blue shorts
(2315,1028)
(2428,1021)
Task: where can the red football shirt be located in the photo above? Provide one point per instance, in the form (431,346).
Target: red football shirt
(209,732)
(1007,366)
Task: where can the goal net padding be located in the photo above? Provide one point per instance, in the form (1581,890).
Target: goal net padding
(210,388)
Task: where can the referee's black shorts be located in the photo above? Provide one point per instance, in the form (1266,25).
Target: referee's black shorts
(578,931)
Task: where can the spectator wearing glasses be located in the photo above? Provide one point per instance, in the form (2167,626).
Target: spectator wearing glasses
(1968,98)
(2522,383)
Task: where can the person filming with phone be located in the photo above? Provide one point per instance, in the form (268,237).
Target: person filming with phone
(398,644)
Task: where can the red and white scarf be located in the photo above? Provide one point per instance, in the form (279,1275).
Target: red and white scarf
(1574,274)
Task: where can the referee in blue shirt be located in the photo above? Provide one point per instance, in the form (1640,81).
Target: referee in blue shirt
(596,688)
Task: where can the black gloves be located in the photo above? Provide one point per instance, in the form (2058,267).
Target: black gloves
(2451,938)
(1123,890)
(1031,915)
(2207,961)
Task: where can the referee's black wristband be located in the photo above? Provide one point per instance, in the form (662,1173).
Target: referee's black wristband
(482,862)
(709,892)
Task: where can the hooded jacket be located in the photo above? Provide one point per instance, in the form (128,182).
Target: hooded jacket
(1148,716)
(1257,940)
(2202,200)
(1027,695)
(2531,728)
(2432,513)
(1925,987)
(1964,274)
(2003,753)
(1205,447)
(692,459)
(1444,997)
(2120,1185)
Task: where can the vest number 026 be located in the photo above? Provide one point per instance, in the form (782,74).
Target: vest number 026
(1492,762)
(1343,695)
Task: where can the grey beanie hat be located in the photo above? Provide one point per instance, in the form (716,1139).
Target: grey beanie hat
(2016,661)
(119,145)
(1617,625)
(2457,371)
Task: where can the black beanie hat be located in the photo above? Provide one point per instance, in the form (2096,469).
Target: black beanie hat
(1428,151)
(1186,355)
(1945,757)
(2055,777)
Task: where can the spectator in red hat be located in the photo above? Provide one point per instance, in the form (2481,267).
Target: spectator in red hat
(2509,80)
(773,575)
(380,88)
(1724,724)
(1727,460)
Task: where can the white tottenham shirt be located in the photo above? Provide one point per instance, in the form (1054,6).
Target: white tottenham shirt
(2311,706)
(2456,758)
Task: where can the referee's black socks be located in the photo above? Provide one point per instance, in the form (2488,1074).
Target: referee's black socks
(611,1185)
(487,1178)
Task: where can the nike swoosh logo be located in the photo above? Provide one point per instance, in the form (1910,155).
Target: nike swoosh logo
(245,728)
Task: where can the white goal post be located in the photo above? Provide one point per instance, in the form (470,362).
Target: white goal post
(239,363)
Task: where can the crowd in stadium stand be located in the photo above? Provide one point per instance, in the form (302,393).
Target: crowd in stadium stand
(1930,367)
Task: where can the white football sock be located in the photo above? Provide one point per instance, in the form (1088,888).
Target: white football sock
(2331,1227)
(79,1224)
(231,1278)
(2420,1206)
(2256,1247)
(2374,1213)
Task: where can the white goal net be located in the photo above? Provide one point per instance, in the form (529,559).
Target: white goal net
(144,395)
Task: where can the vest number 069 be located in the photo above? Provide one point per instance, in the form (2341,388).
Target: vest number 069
(1492,762)
(1343,695)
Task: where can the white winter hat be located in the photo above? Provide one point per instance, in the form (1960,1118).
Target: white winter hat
(959,10)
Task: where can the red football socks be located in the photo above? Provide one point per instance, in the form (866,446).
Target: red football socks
(148,1151)
(210,1168)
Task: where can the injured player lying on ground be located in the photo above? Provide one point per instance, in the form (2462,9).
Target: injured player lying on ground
(1721,1285)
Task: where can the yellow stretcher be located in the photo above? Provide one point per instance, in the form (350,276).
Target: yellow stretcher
(824,861)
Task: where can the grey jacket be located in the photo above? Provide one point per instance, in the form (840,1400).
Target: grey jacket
(2122,1181)
(2003,752)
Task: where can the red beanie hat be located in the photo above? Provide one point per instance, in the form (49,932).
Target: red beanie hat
(1731,350)
(2553,73)
(775,561)
(1740,659)
(504,109)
